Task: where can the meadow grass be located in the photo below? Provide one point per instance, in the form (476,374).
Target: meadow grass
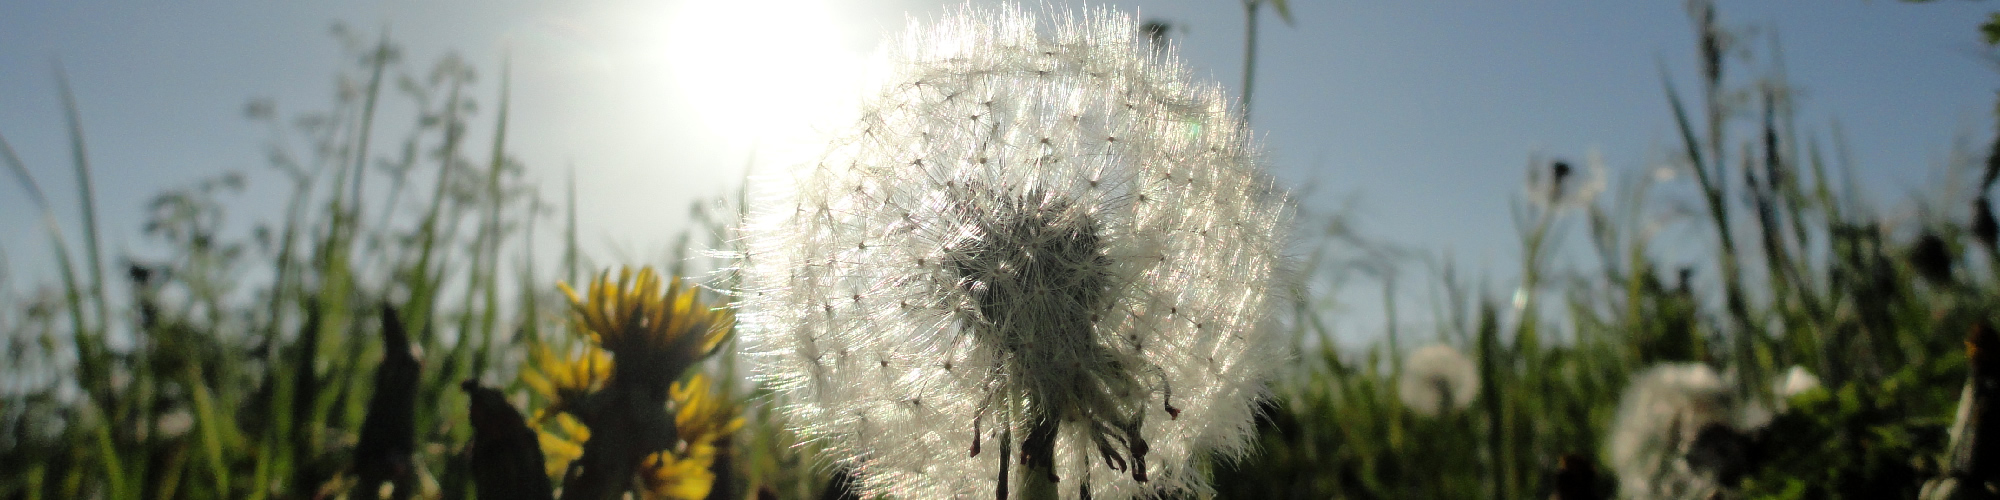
(1826,285)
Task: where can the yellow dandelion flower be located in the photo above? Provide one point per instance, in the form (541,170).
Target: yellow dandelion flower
(655,328)
(666,476)
(562,445)
(566,380)
(701,417)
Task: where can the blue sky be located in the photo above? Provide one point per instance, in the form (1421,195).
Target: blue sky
(1422,114)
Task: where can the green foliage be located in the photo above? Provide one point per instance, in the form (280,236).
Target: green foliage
(1852,442)
(1990,30)
(222,384)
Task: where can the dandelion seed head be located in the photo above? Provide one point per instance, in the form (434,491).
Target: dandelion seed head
(1664,412)
(1437,379)
(1784,386)
(1560,185)
(1795,381)
(1037,230)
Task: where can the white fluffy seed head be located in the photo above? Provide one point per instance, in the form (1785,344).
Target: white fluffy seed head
(1793,382)
(1661,413)
(1033,222)
(1437,379)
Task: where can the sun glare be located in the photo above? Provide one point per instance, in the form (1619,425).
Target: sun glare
(762,71)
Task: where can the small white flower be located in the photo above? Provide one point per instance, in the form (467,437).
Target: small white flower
(1028,241)
(1437,379)
(1659,417)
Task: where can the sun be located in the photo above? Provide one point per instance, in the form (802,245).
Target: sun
(761,71)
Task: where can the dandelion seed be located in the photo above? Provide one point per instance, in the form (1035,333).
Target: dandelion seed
(1437,379)
(1038,249)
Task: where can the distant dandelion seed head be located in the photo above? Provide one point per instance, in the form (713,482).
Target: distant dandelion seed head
(1662,419)
(1039,236)
(1561,185)
(1437,379)
(1795,381)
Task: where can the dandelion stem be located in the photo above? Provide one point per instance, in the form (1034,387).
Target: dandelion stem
(1038,454)
(1006,454)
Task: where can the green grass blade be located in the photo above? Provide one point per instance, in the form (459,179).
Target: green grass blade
(73,296)
(489,317)
(91,358)
(424,284)
(1690,144)
(88,196)
(22,176)
(1490,382)
(114,473)
(379,59)
(210,427)
(531,321)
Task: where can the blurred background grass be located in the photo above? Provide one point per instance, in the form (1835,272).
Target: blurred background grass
(246,366)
